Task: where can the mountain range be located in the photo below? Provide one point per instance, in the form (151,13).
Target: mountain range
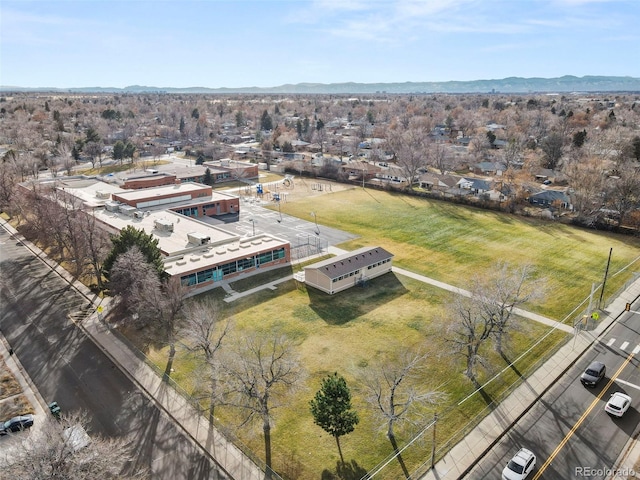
(565,84)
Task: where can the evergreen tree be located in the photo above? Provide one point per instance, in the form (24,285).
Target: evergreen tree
(331,408)
(118,151)
(182,125)
(208,179)
(129,151)
(579,138)
(265,121)
(239,119)
(287,147)
(128,237)
(200,159)
(91,136)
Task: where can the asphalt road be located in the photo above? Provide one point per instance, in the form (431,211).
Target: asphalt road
(568,429)
(36,308)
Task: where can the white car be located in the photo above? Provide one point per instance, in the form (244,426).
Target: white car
(520,466)
(618,404)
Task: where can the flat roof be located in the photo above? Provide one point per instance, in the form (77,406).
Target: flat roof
(209,255)
(164,190)
(170,242)
(182,255)
(91,191)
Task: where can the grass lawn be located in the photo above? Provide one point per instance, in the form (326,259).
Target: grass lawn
(346,333)
(454,243)
(353,330)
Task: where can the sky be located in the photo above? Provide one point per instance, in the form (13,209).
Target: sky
(268,43)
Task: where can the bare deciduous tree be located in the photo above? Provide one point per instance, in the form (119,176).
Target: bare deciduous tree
(134,281)
(201,332)
(469,330)
(623,192)
(505,289)
(409,148)
(396,394)
(260,373)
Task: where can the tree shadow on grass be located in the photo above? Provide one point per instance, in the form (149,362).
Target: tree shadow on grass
(345,471)
(511,365)
(356,301)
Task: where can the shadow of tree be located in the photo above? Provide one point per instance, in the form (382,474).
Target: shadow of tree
(345,471)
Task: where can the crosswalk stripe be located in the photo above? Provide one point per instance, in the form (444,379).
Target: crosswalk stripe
(624,345)
(636,350)
(610,342)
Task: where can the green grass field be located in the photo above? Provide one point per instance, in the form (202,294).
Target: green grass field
(454,244)
(351,330)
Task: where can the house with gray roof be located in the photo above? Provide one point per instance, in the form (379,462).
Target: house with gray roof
(350,269)
(551,198)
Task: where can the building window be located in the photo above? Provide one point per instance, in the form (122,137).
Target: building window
(246,263)
(228,268)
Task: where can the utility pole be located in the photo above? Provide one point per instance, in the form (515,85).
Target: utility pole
(433,442)
(604,282)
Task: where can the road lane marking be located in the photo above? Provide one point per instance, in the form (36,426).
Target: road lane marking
(611,342)
(629,384)
(582,419)
(624,345)
(636,350)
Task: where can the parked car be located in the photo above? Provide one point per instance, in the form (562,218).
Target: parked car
(16,424)
(520,466)
(618,404)
(593,374)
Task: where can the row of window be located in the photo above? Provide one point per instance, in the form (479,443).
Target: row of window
(347,275)
(219,271)
(188,212)
(381,262)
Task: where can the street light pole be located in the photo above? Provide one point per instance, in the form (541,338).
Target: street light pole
(313,214)
(253,225)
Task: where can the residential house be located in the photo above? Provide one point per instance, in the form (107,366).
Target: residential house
(489,168)
(437,182)
(476,186)
(551,198)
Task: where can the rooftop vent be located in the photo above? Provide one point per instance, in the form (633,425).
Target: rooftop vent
(198,238)
(163,225)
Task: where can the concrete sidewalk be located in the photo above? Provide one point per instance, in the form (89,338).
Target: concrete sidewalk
(463,455)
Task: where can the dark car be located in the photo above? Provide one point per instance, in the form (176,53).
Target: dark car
(593,374)
(16,424)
